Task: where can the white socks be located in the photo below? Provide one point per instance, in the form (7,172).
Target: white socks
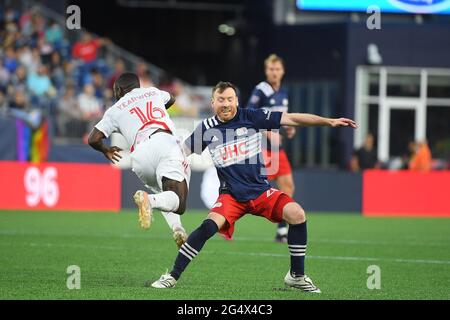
(167,201)
(173,220)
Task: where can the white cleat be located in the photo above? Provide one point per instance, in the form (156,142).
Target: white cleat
(166,281)
(145,209)
(180,236)
(303,283)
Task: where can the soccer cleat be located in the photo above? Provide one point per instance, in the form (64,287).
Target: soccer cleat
(166,281)
(280,239)
(180,236)
(303,283)
(145,209)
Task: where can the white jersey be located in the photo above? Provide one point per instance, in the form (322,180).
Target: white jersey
(137,114)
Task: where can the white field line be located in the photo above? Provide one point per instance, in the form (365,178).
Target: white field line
(423,261)
(263,254)
(138,234)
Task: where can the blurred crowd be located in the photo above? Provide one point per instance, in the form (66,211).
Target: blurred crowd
(43,75)
(417,157)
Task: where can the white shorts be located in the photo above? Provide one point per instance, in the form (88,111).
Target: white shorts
(160,156)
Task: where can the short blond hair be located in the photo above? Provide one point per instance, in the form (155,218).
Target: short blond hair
(273,58)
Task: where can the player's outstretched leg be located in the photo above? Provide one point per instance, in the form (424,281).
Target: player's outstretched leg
(190,250)
(174,222)
(297,239)
(286,184)
(172,199)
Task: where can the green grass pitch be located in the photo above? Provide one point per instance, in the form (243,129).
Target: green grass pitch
(116,258)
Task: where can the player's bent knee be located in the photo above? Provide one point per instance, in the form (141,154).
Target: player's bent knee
(293,213)
(182,206)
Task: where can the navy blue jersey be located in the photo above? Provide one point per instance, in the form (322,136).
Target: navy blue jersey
(265,97)
(235,148)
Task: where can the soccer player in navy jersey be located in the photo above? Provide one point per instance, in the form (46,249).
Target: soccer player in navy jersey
(273,96)
(233,137)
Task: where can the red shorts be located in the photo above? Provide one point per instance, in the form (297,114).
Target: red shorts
(277,164)
(269,205)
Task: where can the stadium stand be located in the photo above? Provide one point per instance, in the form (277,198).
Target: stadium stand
(57,87)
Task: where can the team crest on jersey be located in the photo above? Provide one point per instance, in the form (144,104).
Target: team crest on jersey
(285,102)
(272,101)
(241,131)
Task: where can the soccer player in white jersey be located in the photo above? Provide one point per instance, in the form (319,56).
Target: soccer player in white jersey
(156,155)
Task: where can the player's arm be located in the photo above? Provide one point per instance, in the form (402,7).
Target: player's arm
(95,140)
(307,119)
(195,143)
(186,149)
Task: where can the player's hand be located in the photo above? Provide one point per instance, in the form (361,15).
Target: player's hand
(343,122)
(290,132)
(112,154)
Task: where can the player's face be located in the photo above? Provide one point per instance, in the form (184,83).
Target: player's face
(274,72)
(225,104)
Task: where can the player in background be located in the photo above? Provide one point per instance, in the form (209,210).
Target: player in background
(271,95)
(157,157)
(233,138)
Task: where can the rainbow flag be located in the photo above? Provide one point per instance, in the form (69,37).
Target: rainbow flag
(32,145)
(40,144)
(23,132)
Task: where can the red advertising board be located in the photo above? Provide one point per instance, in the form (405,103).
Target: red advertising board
(59,186)
(406,193)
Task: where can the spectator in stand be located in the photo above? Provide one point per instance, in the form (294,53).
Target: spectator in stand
(19,78)
(45,50)
(25,56)
(10,35)
(43,94)
(96,79)
(146,80)
(38,24)
(119,68)
(366,156)
(10,60)
(35,61)
(90,106)
(108,98)
(4,76)
(184,105)
(56,71)
(26,28)
(70,72)
(421,158)
(70,119)
(141,68)
(19,101)
(20,108)
(9,15)
(39,83)
(54,35)
(86,51)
